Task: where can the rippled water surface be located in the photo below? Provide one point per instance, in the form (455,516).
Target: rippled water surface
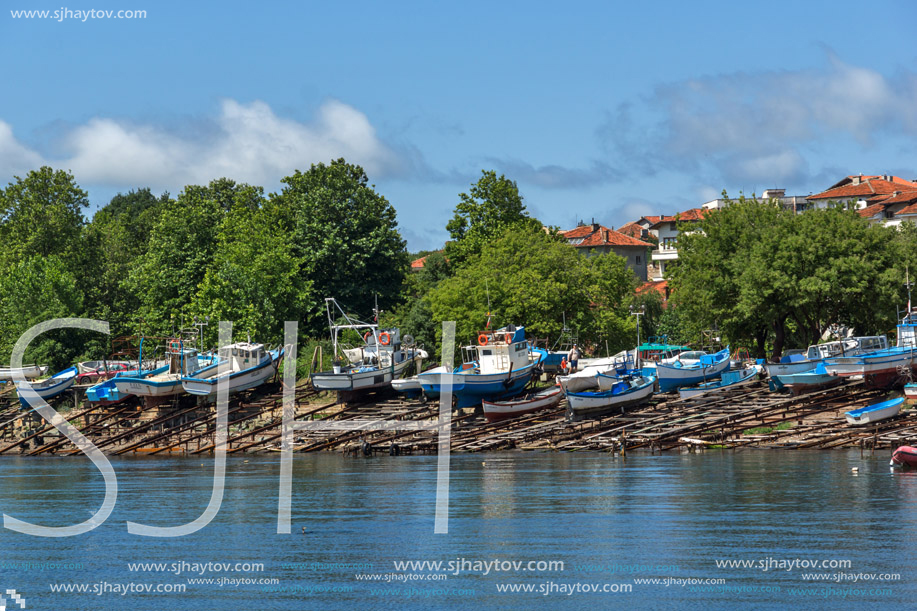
(613,524)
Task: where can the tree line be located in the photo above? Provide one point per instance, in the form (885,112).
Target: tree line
(149,264)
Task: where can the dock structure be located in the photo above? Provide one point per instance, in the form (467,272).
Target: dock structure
(377,423)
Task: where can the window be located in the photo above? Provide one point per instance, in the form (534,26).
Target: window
(668,243)
(638,259)
(672,226)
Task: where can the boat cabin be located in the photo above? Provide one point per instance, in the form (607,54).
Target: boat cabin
(182,361)
(242,356)
(498,351)
(907,331)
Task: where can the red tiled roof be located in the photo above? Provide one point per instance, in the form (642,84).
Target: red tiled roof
(602,236)
(869,186)
(659,286)
(871,211)
(632,229)
(694,214)
(418,263)
(912,209)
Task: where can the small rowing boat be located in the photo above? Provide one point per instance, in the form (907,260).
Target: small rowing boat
(875,412)
(495,411)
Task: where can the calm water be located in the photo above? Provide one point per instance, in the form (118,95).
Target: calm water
(609,521)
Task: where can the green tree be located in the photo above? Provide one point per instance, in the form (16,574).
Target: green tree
(181,249)
(118,237)
(763,276)
(530,278)
(492,205)
(255,280)
(41,215)
(347,237)
(34,290)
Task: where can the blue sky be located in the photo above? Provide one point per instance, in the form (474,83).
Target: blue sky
(600,110)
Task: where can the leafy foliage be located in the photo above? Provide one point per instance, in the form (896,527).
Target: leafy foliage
(492,205)
(346,236)
(530,278)
(763,275)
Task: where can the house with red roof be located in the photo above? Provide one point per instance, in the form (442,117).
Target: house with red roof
(665,230)
(878,198)
(595,239)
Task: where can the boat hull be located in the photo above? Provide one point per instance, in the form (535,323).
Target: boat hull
(670,377)
(879,369)
(905,456)
(358,380)
(46,389)
(745,376)
(592,404)
(495,411)
(470,389)
(238,380)
(875,413)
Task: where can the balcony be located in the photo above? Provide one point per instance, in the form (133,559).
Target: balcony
(665,254)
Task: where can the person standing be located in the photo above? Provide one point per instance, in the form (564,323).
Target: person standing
(573,358)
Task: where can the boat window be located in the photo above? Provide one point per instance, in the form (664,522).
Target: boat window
(486,352)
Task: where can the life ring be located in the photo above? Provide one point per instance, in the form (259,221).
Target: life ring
(482,339)
(175,345)
(367,336)
(508,338)
(385,339)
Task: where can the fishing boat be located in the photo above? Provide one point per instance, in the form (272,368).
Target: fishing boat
(106,392)
(624,392)
(805,382)
(882,368)
(380,358)
(905,456)
(875,412)
(247,365)
(26,371)
(801,362)
(157,385)
(409,387)
(499,366)
(690,368)
(495,411)
(656,350)
(47,388)
(728,379)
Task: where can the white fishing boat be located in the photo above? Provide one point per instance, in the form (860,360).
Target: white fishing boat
(875,412)
(159,384)
(381,358)
(801,362)
(496,411)
(47,388)
(881,368)
(623,392)
(247,365)
(498,367)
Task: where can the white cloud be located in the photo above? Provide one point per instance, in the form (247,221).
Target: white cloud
(246,142)
(15,159)
(758,127)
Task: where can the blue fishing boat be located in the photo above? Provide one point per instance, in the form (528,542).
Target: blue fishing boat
(498,367)
(106,393)
(46,389)
(690,368)
(875,412)
(807,381)
(728,379)
(882,368)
